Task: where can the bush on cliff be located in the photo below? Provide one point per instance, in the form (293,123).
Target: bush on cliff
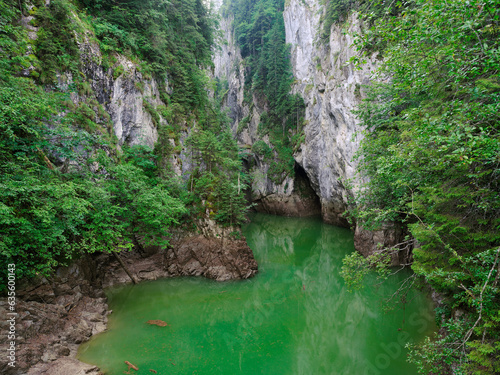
(431,154)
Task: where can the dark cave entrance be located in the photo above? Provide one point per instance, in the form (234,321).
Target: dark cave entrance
(304,189)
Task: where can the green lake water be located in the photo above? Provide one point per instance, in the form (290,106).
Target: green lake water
(294,317)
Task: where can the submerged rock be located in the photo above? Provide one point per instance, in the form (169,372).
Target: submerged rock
(66,366)
(159,323)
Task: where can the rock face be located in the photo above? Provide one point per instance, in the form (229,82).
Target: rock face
(213,258)
(332,88)
(56,315)
(228,67)
(301,201)
(390,237)
(191,255)
(290,197)
(123,91)
(126,101)
(66,366)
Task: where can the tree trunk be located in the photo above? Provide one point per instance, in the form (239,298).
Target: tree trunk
(124,267)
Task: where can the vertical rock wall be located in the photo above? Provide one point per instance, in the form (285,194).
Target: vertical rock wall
(123,95)
(332,88)
(292,196)
(129,98)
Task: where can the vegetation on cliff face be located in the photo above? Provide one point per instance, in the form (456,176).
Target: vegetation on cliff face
(65,189)
(431,153)
(336,11)
(260,32)
(174,38)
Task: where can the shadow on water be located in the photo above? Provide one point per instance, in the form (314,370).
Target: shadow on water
(294,317)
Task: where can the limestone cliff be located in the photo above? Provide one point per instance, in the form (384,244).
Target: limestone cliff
(119,97)
(121,89)
(57,313)
(293,196)
(126,94)
(332,88)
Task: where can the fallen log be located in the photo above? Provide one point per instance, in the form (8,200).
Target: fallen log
(159,323)
(131,366)
(124,267)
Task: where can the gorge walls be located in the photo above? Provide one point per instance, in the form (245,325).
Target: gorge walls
(331,87)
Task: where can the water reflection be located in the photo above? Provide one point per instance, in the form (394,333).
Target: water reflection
(294,317)
(343,332)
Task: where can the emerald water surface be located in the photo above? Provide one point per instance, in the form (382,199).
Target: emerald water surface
(295,317)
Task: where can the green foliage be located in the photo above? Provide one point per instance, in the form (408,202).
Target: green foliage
(163,150)
(47,217)
(243,124)
(260,31)
(217,182)
(84,117)
(283,164)
(174,37)
(431,156)
(175,40)
(355,267)
(261,148)
(336,11)
(55,44)
(118,71)
(62,191)
(155,116)
(145,204)
(484,357)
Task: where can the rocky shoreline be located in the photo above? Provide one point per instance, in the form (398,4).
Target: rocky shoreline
(56,315)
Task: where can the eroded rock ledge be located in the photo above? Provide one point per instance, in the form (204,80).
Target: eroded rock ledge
(195,255)
(55,316)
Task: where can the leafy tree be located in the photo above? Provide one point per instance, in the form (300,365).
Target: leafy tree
(431,156)
(54,205)
(146,207)
(217,181)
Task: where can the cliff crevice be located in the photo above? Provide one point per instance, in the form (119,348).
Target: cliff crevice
(332,88)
